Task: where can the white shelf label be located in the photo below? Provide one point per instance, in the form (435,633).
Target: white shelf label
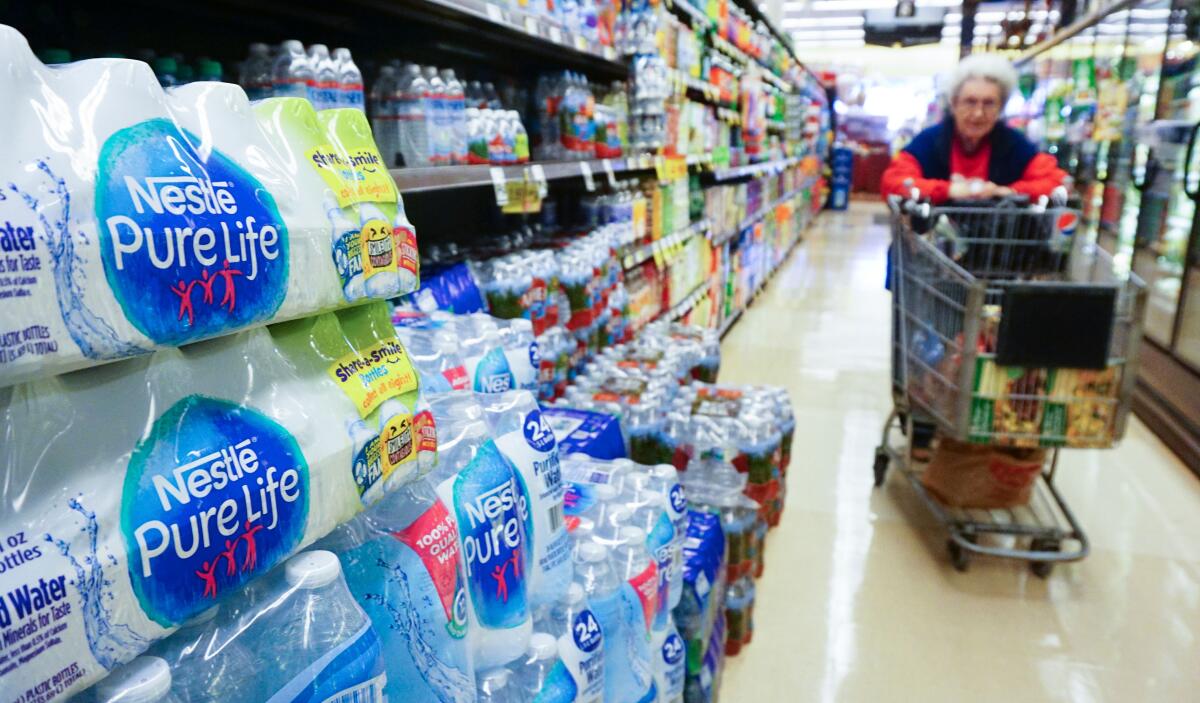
(581,42)
(531,26)
(608,172)
(555,35)
(539,177)
(498,185)
(588,181)
(494,13)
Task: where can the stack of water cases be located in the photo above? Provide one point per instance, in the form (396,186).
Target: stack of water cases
(147,501)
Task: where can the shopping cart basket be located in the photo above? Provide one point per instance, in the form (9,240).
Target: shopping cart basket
(1007,330)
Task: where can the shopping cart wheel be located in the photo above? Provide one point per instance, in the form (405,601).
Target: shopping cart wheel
(1042,569)
(881,466)
(958,556)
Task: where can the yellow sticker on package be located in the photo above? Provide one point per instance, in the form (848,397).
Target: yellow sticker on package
(373,375)
(358,176)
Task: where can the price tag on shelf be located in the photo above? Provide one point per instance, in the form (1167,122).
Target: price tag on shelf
(660,169)
(608,173)
(498,186)
(588,181)
(539,177)
(629,261)
(659,260)
(610,53)
(531,26)
(581,42)
(556,34)
(494,13)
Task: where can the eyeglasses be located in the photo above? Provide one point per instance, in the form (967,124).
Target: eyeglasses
(986,105)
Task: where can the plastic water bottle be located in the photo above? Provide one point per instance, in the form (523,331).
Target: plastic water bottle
(379,247)
(412,101)
(208,662)
(580,642)
(385,115)
(350,80)
(542,676)
(347,252)
(437,118)
(492,97)
(403,564)
(639,602)
(491,511)
(652,518)
(626,677)
(292,72)
(520,138)
(670,662)
(256,75)
(496,686)
(319,642)
(323,86)
(143,680)
(456,114)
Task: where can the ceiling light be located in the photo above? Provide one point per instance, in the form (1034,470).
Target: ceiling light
(847,21)
(854,5)
(830,34)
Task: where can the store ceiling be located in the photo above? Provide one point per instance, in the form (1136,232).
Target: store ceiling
(841,22)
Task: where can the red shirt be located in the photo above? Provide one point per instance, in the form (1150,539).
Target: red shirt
(1041,176)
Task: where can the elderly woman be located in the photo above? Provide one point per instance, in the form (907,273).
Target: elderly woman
(972,154)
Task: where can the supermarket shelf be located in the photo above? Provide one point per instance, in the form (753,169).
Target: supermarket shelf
(760,169)
(682,307)
(752,220)
(1084,23)
(686,10)
(644,253)
(729,322)
(431,178)
(521,30)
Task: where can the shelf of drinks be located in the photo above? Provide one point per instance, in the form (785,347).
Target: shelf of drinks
(752,220)
(548,35)
(689,301)
(707,92)
(686,10)
(729,322)
(676,239)
(431,178)
(752,170)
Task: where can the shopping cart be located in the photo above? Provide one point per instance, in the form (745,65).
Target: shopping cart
(1007,330)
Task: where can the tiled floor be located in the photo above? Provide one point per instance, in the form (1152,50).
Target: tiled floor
(859,601)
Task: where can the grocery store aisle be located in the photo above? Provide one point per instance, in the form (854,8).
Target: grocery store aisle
(859,601)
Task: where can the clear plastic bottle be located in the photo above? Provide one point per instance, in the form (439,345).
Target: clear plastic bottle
(492,97)
(209,70)
(437,118)
(542,675)
(520,138)
(323,86)
(670,662)
(208,662)
(413,101)
(318,640)
(256,75)
(385,116)
(143,680)
(165,69)
(350,79)
(477,142)
(639,603)
(496,686)
(456,116)
(474,94)
(292,71)
(580,642)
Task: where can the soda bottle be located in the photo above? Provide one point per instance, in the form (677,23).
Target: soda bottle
(143,680)
(319,643)
(456,117)
(580,642)
(323,84)
(292,72)
(385,115)
(350,80)
(256,72)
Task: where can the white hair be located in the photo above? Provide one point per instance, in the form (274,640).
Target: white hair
(991,67)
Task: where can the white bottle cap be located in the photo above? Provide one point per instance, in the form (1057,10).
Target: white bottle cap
(606,491)
(313,569)
(542,646)
(666,472)
(520,324)
(143,680)
(574,594)
(592,552)
(633,535)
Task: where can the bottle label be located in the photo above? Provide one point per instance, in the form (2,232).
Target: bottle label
(457,377)
(558,687)
(214,495)
(491,510)
(434,538)
(426,431)
(491,372)
(378,248)
(399,442)
(351,672)
(367,469)
(673,669)
(645,585)
(535,455)
(360,176)
(374,374)
(192,246)
(407,258)
(348,256)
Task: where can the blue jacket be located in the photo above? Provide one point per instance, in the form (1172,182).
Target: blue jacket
(1011,152)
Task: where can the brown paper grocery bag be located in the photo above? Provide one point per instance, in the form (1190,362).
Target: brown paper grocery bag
(967,475)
